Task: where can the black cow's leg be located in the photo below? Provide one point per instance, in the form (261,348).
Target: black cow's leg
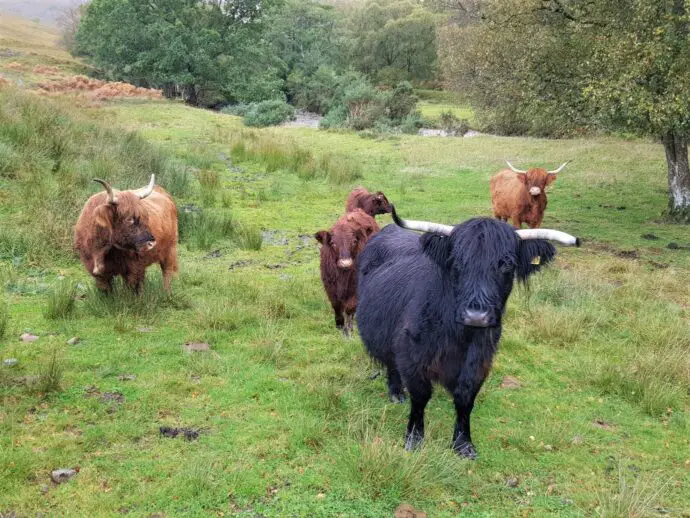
(420,393)
(396,393)
(474,371)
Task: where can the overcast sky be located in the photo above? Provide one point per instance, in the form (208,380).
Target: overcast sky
(44,10)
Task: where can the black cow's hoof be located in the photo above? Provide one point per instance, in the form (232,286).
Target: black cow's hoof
(413,441)
(466,449)
(396,397)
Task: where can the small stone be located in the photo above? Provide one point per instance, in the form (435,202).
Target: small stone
(512,482)
(321,496)
(73,341)
(196,347)
(566,501)
(60,476)
(548,447)
(28,338)
(10,362)
(510,383)
(114,397)
(127,377)
(578,439)
(144,329)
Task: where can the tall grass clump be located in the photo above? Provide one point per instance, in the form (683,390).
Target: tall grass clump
(634,497)
(61,301)
(201,230)
(4,317)
(209,180)
(248,237)
(50,374)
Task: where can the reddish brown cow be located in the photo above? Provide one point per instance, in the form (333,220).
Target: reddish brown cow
(124,232)
(339,250)
(520,195)
(371,203)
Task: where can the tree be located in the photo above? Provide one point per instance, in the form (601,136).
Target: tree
(207,52)
(68,21)
(553,66)
(393,35)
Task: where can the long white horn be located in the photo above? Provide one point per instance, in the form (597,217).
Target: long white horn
(112,199)
(148,190)
(556,171)
(422,226)
(549,235)
(514,169)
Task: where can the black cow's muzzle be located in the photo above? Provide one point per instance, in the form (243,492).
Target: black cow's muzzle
(476,318)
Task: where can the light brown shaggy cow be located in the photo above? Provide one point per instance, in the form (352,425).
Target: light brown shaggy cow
(339,250)
(371,203)
(520,195)
(124,232)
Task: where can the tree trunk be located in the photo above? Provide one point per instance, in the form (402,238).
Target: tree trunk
(676,147)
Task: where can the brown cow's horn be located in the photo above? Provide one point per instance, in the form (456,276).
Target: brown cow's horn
(514,169)
(148,190)
(556,171)
(111,195)
(423,226)
(549,235)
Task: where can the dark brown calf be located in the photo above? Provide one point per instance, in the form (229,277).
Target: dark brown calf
(339,250)
(371,203)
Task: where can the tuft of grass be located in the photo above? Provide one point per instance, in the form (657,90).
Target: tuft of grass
(200,230)
(248,237)
(61,301)
(634,497)
(210,185)
(51,373)
(4,317)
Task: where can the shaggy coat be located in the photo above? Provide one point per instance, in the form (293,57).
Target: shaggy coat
(126,237)
(371,203)
(416,297)
(340,248)
(521,197)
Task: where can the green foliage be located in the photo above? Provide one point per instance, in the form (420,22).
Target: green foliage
(208,52)
(51,372)
(401,101)
(391,40)
(4,317)
(269,113)
(453,125)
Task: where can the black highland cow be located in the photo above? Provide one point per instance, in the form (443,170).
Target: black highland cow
(430,307)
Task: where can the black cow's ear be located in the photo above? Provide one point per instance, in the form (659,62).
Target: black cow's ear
(435,246)
(323,237)
(532,255)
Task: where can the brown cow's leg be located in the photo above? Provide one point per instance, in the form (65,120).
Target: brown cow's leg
(135,278)
(338,312)
(105,284)
(169,267)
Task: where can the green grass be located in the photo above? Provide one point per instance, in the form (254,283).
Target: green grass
(431,111)
(291,423)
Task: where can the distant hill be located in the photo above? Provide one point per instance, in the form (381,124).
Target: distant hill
(46,11)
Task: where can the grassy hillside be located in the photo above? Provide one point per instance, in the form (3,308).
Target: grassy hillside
(290,422)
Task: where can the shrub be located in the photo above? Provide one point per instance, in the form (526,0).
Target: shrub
(452,124)
(411,123)
(239,109)
(401,102)
(269,113)
(335,118)
(314,93)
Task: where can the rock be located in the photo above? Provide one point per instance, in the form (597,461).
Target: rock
(214,254)
(196,347)
(190,434)
(10,362)
(62,475)
(73,341)
(512,482)
(578,439)
(44,488)
(144,329)
(127,377)
(407,511)
(566,501)
(510,383)
(28,338)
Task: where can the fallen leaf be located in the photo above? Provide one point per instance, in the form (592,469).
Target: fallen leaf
(510,383)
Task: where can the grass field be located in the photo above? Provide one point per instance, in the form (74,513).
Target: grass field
(291,424)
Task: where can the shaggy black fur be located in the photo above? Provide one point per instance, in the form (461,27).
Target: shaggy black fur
(414,294)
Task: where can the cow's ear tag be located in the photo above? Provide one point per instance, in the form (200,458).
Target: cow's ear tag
(536,260)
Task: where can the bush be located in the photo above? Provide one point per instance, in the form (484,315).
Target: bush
(239,109)
(335,118)
(269,113)
(452,125)
(315,93)
(411,123)
(401,102)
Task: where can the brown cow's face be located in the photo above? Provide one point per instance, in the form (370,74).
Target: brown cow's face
(345,241)
(381,204)
(537,180)
(126,224)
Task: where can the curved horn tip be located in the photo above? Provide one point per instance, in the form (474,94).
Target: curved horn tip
(149,188)
(514,169)
(560,168)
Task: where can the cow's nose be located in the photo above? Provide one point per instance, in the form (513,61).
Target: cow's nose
(476,318)
(345,263)
(535,191)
